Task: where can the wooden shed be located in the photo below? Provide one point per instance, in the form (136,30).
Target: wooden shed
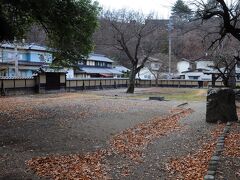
(50,79)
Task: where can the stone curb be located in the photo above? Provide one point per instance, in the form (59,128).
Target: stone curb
(213,163)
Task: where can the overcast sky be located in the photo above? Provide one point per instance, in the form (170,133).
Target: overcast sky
(161,7)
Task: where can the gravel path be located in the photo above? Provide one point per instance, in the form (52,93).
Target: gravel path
(71,123)
(173,145)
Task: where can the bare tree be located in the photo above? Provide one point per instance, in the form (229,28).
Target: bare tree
(225,64)
(134,34)
(158,65)
(228,16)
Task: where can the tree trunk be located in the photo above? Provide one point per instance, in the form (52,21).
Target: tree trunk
(131,85)
(225,82)
(156,82)
(232,79)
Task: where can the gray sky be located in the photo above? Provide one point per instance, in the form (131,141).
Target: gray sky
(161,7)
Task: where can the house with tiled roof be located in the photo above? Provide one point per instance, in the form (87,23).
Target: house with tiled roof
(194,69)
(23,60)
(96,66)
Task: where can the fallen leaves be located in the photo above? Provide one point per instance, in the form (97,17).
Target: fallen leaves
(194,166)
(63,108)
(70,167)
(232,143)
(131,142)
(30,108)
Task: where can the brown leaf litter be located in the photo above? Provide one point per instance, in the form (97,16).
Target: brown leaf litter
(232,143)
(132,141)
(70,167)
(194,166)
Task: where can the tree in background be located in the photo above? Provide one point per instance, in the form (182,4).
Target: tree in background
(225,65)
(228,18)
(158,66)
(68,24)
(181,10)
(101,36)
(132,33)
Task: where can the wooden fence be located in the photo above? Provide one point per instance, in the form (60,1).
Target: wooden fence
(27,85)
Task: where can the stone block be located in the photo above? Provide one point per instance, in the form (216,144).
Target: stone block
(215,158)
(221,105)
(209,177)
(213,173)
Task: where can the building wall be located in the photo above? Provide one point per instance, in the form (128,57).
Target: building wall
(204,64)
(183,66)
(145,74)
(82,76)
(25,55)
(70,73)
(197,76)
(155,66)
(35,56)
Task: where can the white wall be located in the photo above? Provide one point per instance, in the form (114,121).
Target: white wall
(204,64)
(183,66)
(70,73)
(145,74)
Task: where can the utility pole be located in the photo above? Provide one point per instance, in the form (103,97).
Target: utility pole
(170,53)
(16,57)
(170,27)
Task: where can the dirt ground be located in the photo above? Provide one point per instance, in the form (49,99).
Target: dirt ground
(79,123)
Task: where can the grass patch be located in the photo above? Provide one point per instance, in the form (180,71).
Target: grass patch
(174,94)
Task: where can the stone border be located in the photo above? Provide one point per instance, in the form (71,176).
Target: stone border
(213,163)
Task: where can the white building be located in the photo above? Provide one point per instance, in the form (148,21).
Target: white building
(145,74)
(194,69)
(155,68)
(184,65)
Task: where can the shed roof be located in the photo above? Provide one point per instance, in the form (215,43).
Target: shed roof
(47,69)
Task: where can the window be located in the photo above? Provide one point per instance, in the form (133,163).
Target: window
(20,57)
(193,77)
(147,76)
(156,65)
(41,58)
(90,63)
(10,55)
